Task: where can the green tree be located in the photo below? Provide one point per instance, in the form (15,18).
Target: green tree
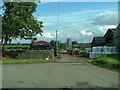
(60,45)
(18,21)
(53,43)
(63,45)
(74,42)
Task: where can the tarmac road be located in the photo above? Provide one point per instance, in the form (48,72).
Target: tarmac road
(58,75)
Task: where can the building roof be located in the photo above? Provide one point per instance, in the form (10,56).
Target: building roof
(109,33)
(98,39)
(40,42)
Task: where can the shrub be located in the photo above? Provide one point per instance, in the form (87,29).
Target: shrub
(115,56)
(108,61)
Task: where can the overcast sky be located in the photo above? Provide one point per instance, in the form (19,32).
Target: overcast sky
(80,21)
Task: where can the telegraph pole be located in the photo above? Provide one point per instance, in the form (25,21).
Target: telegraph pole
(57,27)
(56,43)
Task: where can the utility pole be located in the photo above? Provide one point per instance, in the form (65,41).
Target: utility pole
(56,43)
(57,27)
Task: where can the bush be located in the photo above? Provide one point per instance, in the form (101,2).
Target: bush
(115,56)
(108,61)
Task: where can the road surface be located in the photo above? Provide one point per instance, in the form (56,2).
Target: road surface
(77,74)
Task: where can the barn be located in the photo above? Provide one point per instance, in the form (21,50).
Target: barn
(109,37)
(41,43)
(98,41)
(116,38)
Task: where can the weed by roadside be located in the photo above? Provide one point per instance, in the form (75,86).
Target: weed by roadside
(108,61)
(26,61)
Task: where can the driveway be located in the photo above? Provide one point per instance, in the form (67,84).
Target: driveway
(73,59)
(58,75)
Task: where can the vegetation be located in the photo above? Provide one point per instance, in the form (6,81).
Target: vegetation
(26,61)
(16,45)
(60,45)
(74,42)
(63,45)
(53,43)
(18,21)
(108,61)
(10,47)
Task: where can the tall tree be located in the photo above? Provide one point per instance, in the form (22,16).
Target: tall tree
(18,21)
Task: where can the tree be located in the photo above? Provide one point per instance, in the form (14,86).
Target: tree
(33,40)
(63,45)
(53,43)
(18,21)
(60,45)
(74,42)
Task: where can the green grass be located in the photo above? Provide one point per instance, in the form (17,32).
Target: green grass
(26,61)
(108,61)
(16,45)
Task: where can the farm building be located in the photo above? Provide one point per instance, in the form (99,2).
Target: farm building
(109,37)
(41,43)
(98,41)
(117,38)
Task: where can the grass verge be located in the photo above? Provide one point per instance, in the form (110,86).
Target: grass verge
(108,61)
(26,61)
